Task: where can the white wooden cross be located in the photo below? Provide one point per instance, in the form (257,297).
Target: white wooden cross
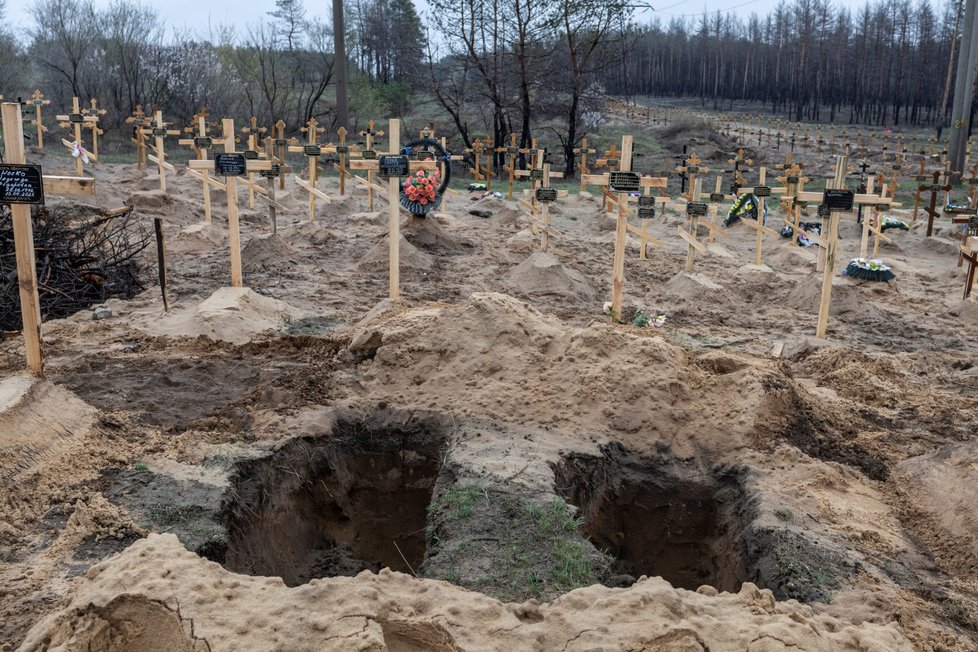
(30,305)
(231,190)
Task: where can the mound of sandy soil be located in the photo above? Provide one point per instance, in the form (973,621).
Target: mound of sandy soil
(198,238)
(157,595)
(692,285)
(849,295)
(233,315)
(266,253)
(378,258)
(544,274)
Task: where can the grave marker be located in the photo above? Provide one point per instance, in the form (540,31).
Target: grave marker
(583,152)
(254,133)
(77,120)
(95,113)
(37,100)
(369,135)
(160,132)
(139,121)
(313,150)
(761,192)
(201,142)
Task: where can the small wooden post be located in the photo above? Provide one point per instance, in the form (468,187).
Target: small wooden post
(282,145)
(759,237)
(161,259)
(621,232)
(313,151)
(695,189)
(234,233)
(30,304)
(512,151)
(545,235)
(832,240)
(394,214)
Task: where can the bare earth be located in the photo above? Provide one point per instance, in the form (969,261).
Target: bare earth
(825,487)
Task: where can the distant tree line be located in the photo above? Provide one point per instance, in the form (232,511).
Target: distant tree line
(883,63)
(537,68)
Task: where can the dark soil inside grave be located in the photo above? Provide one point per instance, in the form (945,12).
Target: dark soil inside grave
(323,507)
(172,393)
(657,520)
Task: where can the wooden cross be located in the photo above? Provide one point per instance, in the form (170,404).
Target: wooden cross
(690,170)
(344,152)
(201,142)
(622,182)
(477,150)
(313,151)
(794,183)
(542,175)
(30,304)
(934,187)
(222,164)
(583,151)
(76,119)
(277,171)
(872,224)
(741,164)
(281,144)
(369,135)
(393,197)
(716,199)
(94,113)
(139,121)
(37,100)
(254,134)
(159,133)
(512,152)
(761,191)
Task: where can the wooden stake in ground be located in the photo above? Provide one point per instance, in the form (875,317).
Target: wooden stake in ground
(201,142)
(313,150)
(369,153)
(76,120)
(21,186)
(160,132)
(231,165)
(161,259)
(93,114)
(545,195)
(139,122)
(38,101)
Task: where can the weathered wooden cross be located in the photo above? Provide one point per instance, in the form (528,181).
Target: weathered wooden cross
(478,149)
(231,165)
(512,152)
(160,132)
(934,187)
(94,113)
(762,192)
(20,186)
(313,150)
(537,175)
(583,152)
(201,142)
(254,134)
(37,101)
(369,153)
(139,122)
(76,119)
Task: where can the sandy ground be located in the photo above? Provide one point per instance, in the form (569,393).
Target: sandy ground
(838,474)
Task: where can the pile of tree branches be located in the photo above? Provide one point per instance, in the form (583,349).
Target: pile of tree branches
(81,261)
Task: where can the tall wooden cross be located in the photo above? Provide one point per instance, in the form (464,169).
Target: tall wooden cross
(934,187)
(610,160)
(14,176)
(76,120)
(313,150)
(281,144)
(478,149)
(717,198)
(38,101)
(369,136)
(94,113)
(512,152)
(741,164)
(231,165)
(690,170)
(277,171)
(345,153)
(794,182)
(873,224)
(583,151)
(254,134)
(160,132)
(392,167)
(201,142)
(139,122)
(762,192)
(537,176)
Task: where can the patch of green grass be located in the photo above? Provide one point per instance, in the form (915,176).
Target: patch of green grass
(458,500)
(141,466)
(784,514)
(806,573)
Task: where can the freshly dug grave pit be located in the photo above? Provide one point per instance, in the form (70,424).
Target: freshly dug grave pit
(658,520)
(325,507)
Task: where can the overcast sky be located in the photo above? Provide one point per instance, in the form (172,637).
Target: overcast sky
(195,14)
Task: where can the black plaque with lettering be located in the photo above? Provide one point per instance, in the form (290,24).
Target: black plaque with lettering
(923,177)
(230,165)
(697,209)
(281,142)
(369,154)
(718,197)
(624,181)
(646,213)
(536,174)
(838,200)
(159,132)
(425,155)
(250,154)
(646,201)
(791,179)
(274,172)
(547,194)
(312,150)
(205,142)
(762,191)
(613,162)
(342,149)
(74,118)
(394,166)
(882,208)
(21,184)
(513,151)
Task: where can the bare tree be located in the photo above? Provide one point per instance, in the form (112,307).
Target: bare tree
(63,38)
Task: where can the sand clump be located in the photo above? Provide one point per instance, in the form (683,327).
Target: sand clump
(156,586)
(544,273)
